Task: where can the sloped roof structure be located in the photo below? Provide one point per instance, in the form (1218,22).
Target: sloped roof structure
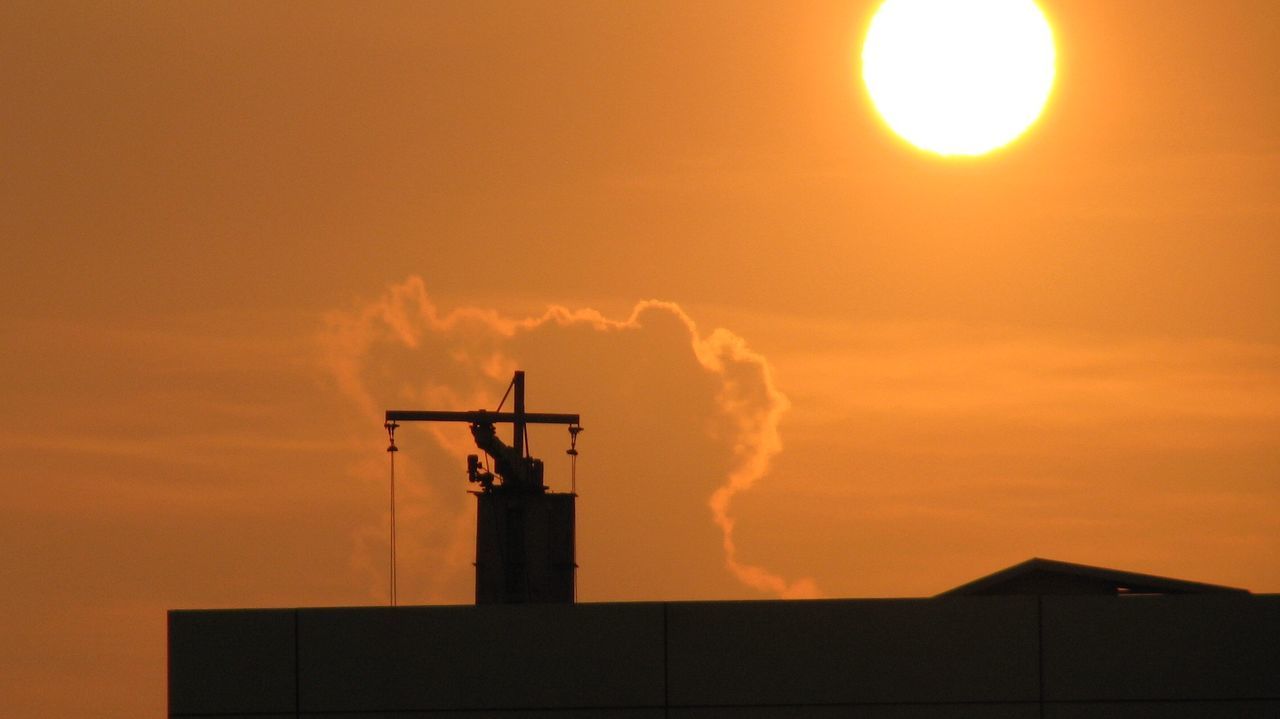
(1038,576)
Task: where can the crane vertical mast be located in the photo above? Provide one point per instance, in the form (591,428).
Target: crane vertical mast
(518,424)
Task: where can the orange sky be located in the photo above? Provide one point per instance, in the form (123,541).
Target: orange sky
(235,232)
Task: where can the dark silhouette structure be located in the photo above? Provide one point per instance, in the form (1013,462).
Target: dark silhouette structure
(525,546)
(1010,646)
(1038,577)
(1038,639)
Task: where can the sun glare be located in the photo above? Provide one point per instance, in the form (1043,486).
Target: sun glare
(959,77)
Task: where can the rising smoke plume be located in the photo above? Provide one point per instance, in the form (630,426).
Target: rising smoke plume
(678,423)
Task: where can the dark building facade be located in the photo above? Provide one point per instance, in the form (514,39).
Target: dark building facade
(1042,639)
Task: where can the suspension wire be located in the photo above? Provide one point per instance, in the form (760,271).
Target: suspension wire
(393,529)
(391,451)
(506,394)
(574,429)
(503,401)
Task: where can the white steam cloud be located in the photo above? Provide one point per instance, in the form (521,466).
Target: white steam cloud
(678,424)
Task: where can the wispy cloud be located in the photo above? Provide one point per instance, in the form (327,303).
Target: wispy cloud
(671,404)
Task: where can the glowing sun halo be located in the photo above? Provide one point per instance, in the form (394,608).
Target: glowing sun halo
(959,77)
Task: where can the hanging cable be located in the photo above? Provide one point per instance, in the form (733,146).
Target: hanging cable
(506,394)
(574,429)
(391,451)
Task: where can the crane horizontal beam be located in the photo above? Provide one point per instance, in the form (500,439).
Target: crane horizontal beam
(479,417)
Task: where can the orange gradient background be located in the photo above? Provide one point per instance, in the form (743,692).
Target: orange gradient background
(233,233)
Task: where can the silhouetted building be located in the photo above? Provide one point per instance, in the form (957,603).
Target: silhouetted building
(1040,639)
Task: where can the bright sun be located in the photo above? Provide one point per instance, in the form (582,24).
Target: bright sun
(959,77)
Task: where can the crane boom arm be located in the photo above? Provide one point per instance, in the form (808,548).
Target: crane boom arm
(479,417)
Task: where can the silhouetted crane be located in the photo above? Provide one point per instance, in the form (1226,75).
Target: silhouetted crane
(524,533)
